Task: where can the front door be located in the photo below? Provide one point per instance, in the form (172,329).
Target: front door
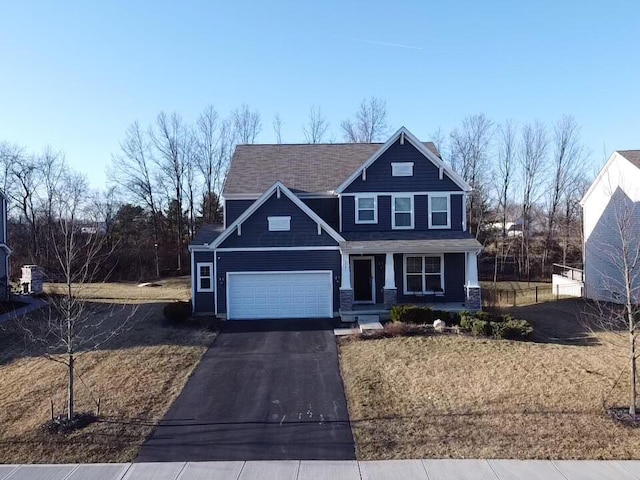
(363,280)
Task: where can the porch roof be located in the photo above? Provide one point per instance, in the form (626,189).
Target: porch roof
(450,245)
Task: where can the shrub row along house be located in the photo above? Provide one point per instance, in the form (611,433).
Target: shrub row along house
(323,230)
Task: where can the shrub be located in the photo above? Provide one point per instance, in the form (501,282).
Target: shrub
(177,311)
(411,314)
(466,320)
(481,328)
(513,329)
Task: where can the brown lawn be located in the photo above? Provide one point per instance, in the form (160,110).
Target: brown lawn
(462,397)
(136,377)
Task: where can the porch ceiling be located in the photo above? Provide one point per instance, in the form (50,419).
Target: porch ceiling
(413,246)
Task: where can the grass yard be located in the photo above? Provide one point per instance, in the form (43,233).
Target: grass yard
(136,375)
(449,396)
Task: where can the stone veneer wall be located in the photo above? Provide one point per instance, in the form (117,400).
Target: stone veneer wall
(390,297)
(473,299)
(346,300)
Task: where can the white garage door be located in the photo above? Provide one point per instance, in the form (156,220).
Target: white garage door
(256,295)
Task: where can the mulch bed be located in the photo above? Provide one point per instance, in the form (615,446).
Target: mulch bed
(622,415)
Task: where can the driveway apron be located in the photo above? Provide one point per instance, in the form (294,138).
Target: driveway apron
(265,390)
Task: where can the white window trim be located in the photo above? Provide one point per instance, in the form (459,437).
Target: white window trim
(274,223)
(375,209)
(393,211)
(199,277)
(396,169)
(439,227)
(422,255)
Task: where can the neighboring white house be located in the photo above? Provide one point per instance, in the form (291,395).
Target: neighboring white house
(611,224)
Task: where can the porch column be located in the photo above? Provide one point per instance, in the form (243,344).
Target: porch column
(389,273)
(472,269)
(346,293)
(473,300)
(390,293)
(345,277)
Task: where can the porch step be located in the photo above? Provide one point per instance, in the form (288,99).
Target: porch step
(369,322)
(343,332)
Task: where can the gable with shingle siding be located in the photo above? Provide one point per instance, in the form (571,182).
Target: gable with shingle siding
(254,232)
(425,177)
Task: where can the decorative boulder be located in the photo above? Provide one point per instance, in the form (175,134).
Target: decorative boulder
(439,325)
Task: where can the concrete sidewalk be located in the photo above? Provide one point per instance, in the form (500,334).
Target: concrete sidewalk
(335,470)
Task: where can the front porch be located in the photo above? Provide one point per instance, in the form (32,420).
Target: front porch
(372,282)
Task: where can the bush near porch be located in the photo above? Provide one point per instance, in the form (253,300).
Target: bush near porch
(477,323)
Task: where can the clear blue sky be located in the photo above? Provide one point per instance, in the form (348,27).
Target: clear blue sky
(75,74)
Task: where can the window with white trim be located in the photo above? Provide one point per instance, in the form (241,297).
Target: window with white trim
(402,212)
(204,280)
(423,274)
(439,211)
(366,209)
(279,224)
(403,169)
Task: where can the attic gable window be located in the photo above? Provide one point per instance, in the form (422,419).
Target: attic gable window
(403,169)
(279,224)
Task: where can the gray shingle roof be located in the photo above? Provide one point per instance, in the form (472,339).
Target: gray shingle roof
(207,233)
(632,155)
(301,167)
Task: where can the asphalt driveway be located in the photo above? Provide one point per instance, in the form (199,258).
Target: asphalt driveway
(265,390)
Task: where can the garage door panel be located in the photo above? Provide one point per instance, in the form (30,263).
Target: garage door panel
(280,295)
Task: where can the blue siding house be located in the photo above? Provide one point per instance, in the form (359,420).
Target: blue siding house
(330,230)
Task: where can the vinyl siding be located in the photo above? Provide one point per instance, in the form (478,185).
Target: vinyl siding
(326,208)
(234,208)
(203,301)
(274,261)
(255,229)
(454,279)
(425,174)
(420,219)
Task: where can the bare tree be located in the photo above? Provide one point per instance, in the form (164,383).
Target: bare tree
(470,148)
(73,327)
(438,139)
(277,128)
(132,170)
(170,139)
(246,124)
(369,124)
(316,127)
(504,173)
(26,173)
(505,167)
(532,159)
(213,146)
(567,159)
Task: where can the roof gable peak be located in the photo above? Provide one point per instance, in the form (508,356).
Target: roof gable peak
(404,134)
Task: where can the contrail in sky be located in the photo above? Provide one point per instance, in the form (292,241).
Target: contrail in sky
(398,45)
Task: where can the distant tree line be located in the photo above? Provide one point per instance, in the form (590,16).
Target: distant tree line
(166,178)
